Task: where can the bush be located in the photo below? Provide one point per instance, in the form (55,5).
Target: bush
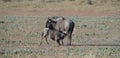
(90,2)
(7,0)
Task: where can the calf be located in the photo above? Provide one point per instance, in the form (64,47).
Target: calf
(44,35)
(54,35)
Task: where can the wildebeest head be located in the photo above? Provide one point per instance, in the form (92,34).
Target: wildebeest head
(62,34)
(50,23)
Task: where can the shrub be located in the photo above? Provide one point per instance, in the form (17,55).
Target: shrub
(7,0)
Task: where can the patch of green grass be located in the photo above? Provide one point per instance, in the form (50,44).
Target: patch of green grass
(9,42)
(7,0)
(97,52)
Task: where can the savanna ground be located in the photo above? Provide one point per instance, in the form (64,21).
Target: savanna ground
(96,33)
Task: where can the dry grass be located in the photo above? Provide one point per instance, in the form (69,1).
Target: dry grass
(65,5)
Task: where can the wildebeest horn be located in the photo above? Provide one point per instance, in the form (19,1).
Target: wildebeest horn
(49,18)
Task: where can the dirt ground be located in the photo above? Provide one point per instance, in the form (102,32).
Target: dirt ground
(17,12)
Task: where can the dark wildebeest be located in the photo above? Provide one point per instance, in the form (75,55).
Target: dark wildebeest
(54,35)
(59,23)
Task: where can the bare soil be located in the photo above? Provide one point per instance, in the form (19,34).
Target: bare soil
(41,12)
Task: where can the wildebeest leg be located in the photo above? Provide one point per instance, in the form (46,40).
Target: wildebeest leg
(58,41)
(69,39)
(46,41)
(62,42)
(41,41)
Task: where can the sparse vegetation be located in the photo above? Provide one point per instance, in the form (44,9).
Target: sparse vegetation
(20,37)
(93,36)
(96,5)
(7,0)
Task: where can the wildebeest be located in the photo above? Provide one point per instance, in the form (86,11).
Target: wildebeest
(60,23)
(54,35)
(45,35)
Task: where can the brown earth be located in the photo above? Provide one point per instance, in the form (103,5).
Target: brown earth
(40,12)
